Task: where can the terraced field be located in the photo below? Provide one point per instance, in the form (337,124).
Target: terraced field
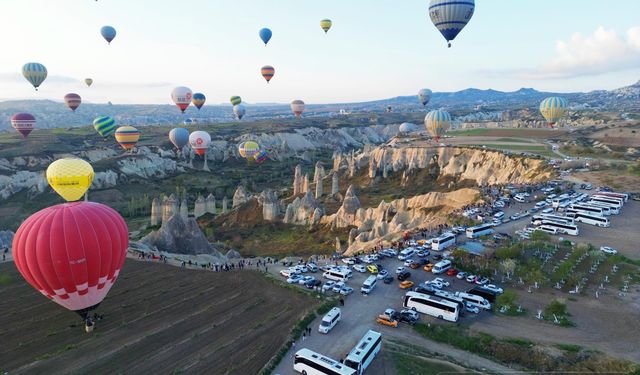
(158,319)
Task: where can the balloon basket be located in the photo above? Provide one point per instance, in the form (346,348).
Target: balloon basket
(88,327)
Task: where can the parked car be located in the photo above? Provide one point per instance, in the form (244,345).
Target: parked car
(425,289)
(346,290)
(302,268)
(408,316)
(386,320)
(493,288)
(285,273)
(382,274)
(312,267)
(372,268)
(414,265)
(337,286)
(400,269)
(608,250)
(349,261)
(387,279)
(406,284)
(360,268)
(423,253)
(442,281)
(435,284)
(471,308)
(471,278)
(482,280)
(452,272)
(391,252)
(328,286)
(428,267)
(408,262)
(294,279)
(313,283)
(402,276)
(461,275)
(305,279)
(391,313)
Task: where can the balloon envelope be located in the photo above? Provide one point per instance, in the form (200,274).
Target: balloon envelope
(108,33)
(450,17)
(72,100)
(248,149)
(182,96)
(239,110)
(437,122)
(235,100)
(265,35)
(198,100)
(23,123)
(406,127)
(267,72)
(88,82)
(72,253)
(325,24)
(127,136)
(297,107)
(104,125)
(553,109)
(261,156)
(424,96)
(35,73)
(70,177)
(179,137)
(199,141)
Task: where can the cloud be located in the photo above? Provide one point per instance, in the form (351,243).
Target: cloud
(17,77)
(601,52)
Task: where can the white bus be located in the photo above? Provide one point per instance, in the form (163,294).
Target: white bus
(369,284)
(538,219)
(624,196)
(607,209)
(547,229)
(597,220)
(441,266)
(364,352)
(612,201)
(480,230)
(570,229)
(311,363)
(558,202)
(615,199)
(330,320)
(337,274)
(430,305)
(474,300)
(444,241)
(588,209)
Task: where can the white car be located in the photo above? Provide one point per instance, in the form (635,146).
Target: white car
(346,290)
(472,309)
(360,268)
(471,278)
(493,288)
(608,250)
(434,284)
(382,274)
(400,269)
(461,275)
(305,279)
(312,267)
(392,252)
(408,262)
(294,279)
(285,273)
(328,286)
(302,268)
(337,286)
(441,281)
(348,261)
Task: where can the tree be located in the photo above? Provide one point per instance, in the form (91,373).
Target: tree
(539,236)
(508,266)
(508,298)
(556,308)
(507,252)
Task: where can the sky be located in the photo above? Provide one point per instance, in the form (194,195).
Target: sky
(376,49)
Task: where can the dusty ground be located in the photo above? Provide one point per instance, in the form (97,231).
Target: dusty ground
(158,319)
(620,180)
(620,136)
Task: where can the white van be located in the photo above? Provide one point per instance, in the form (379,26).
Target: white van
(369,284)
(337,274)
(330,320)
(441,266)
(474,300)
(406,253)
(498,215)
(548,229)
(519,198)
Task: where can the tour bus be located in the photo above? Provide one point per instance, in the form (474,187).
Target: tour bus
(430,305)
(610,201)
(589,209)
(538,219)
(480,230)
(369,284)
(624,196)
(607,209)
(441,266)
(487,294)
(591,219)
(364,352)
(547,229)
(312,363)
(337,274)
(444,241)
(449,297)
(558,202)
(570,229)
(615,199)
(330,320)
(474,300)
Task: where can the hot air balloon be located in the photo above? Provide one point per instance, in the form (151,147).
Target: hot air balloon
(179,137)
(235,100)
(268,72)
(23,123)
(72,253)
(261,156)
(437,122)
(553,108)
(265,35)
(297,107)
(72,100)
(406,127)
(424,96)
(198,100)
(88,82)
(35,73)
(108,33)
(127,136)
(239,110)
(200,141)
(450,17)
(182,97)
(70,177)
(248,149)
(104,125)
(188,121)
(325,24)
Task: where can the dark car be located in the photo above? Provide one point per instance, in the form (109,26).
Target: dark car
(402,276)
(388,279)
(313,283)
(425,289)
(379,266)
(410,317)
(437,257)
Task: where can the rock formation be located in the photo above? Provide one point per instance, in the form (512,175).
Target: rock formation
(6,238)
(240,196)
(318,174)
(303,211)
(156,212)
(184,210)
(345,215)
(305,184)
(319,191)
(177,235)
(210,204)
(169,208)
(335,186)
(200,207)
(297,180)
(270,205)
(225,207)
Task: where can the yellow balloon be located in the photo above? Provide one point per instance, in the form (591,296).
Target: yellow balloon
(70,177)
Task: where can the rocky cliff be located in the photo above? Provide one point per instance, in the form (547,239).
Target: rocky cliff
(180,236)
